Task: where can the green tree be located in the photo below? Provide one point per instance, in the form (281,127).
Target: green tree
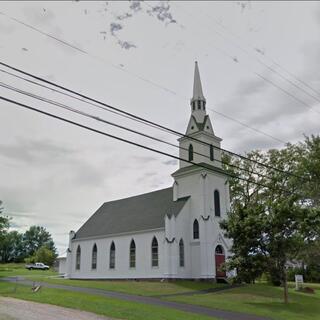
(35,238)
(12,249)
(4,226)
(272,218)
(45,255)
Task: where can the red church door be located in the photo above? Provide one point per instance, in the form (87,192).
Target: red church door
(220,259)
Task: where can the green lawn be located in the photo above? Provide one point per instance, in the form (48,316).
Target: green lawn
(101,305)
(18,269)
(261,299)
(144,288)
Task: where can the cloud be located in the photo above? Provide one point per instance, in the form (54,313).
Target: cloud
(258,103)
(172,162)
(114,27)
(162,12)
(6,29)
(126,44)
(42,17)
(88,175)
(34,151)
(124,16)
(135,6)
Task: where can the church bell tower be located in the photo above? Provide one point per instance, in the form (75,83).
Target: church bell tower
(201,178)
(200,144)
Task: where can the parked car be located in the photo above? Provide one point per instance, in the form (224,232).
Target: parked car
(37,266)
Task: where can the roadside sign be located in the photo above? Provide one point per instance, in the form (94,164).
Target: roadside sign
(299,281)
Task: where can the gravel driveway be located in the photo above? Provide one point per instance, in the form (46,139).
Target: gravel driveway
(14,309)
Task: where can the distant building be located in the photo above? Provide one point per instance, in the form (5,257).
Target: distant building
(169,233)
(61,265)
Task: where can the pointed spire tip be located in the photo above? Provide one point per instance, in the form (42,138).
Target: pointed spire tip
(197,87)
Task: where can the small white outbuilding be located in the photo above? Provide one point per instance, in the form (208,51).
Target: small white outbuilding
(62,265)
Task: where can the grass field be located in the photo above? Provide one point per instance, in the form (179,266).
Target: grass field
(260,299)
(101,305)
(144,288)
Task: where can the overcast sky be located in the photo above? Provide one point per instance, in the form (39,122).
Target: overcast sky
(140,57)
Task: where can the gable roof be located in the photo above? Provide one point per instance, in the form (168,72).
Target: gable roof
(199,166)
(143,212)
(200,126)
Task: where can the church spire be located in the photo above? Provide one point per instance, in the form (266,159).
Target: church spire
(197,87)
(198,101)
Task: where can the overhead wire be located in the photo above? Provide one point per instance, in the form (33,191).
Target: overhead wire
(138,117)
(265,56)
(245,125)
(130,142)
(272,83)
(83,51)
(66,107)
(124,70)
(96,105)
(235,44)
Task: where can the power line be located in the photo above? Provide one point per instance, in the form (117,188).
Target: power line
(262,77)
(65,107)
(263,54)
(268,67)
(139,118)
(97,106)
(73,97)
(86,52)
(247,126)
(130,142)
(123,69)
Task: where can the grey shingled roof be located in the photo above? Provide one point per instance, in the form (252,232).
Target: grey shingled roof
(138,213)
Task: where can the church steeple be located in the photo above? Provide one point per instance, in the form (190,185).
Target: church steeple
(197,87)
(198,101)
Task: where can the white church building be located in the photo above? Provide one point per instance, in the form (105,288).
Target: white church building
(169,233)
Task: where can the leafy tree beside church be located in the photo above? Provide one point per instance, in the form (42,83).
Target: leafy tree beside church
(274,215)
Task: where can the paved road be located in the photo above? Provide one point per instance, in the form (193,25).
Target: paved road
(14,309)
(221,314)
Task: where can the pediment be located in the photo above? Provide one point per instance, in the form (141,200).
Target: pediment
(192,126)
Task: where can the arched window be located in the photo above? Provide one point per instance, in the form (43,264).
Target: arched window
(195,229)
(217,211)
(112,259)
(211,152)
(193,105)
(132,255)
(199,104)
(190,152)
(78,258)
(154,252)
(94,257)
(219,249)
(181,253)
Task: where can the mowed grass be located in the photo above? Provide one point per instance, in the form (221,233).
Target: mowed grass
(143,288)
(18,269)
(109,307)
(263,300)
(260,299)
